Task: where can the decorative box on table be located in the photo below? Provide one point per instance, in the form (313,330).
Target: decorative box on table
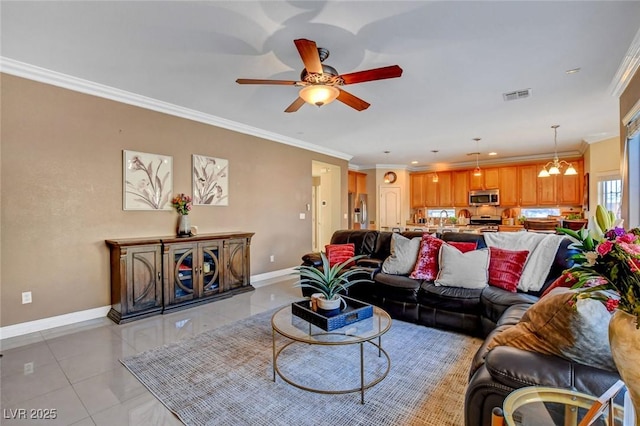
(355,311)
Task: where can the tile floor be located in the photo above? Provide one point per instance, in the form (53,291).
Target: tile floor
(75,370)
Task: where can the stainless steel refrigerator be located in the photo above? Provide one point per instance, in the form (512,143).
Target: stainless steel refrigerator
(358,215)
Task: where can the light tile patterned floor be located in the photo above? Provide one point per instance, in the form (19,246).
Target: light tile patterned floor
(75,369)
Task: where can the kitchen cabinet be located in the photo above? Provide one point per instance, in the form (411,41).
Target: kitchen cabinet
(570,188)
(444,189)
(424,192)
(416,182)
(547,189)
(508,185)
(460,188)
(357,182)
(489,179)
(157,275)
(136,279)
(527,184)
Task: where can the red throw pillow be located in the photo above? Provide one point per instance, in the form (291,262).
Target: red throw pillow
(426,267)
(463,246)
(505,267)
(338,253)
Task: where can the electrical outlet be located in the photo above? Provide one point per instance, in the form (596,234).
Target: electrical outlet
(302,216)
(26,297)
(272,258)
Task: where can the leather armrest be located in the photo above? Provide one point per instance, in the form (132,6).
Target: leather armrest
(312,259)
(517,368)
(370,263)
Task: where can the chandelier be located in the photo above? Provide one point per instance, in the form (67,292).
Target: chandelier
(553,167)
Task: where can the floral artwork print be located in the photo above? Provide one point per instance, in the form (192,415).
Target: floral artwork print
(148,181)
(210,181)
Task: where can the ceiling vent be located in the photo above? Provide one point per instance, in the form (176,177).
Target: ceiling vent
(517,94)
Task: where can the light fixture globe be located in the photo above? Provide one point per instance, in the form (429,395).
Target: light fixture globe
(552,168)
(319,94)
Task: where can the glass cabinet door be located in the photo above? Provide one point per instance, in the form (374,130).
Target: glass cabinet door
(210,268)
(183,273)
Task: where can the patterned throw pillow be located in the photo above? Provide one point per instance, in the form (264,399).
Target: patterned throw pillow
(426,267)
(505,268)
(338,253)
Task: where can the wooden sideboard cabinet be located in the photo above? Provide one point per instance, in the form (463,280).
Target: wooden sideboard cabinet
(152,276)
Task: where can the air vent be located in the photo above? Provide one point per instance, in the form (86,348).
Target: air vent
(518,94)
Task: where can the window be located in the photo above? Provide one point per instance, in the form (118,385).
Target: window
(539,213)
(610,193)
(436,213)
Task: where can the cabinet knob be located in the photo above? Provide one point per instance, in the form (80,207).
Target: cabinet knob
(159,276)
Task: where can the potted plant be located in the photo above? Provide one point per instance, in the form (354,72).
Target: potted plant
(328,281)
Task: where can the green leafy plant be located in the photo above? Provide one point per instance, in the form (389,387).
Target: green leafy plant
(182,203)
(330,280)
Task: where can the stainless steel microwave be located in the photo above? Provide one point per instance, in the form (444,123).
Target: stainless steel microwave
(489,197)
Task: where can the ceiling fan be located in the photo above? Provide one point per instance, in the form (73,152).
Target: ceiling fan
(321,83)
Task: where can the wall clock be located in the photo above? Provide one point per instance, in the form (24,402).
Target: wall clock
(390,177)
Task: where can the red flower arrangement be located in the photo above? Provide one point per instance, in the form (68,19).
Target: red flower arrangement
(182,203)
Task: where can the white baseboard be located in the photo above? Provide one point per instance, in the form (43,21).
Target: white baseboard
(52,322)
(261,280)
(15,330)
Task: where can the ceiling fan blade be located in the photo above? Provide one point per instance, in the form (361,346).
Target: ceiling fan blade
(309,54)
(353,101)
(256,81)
(295,105)
(392,71)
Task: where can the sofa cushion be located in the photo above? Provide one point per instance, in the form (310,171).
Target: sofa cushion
(456,299)
(338,253)
(426,267)
(505,267)
(495,301)
(404,252)
(467,270)
(396,287)
(556,326)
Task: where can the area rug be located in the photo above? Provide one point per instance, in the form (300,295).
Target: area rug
(224,377)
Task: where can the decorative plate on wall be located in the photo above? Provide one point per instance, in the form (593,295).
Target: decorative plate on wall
(390,177)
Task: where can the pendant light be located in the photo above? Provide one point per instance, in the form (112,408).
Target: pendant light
(553,166)
(435,178)
(477,172)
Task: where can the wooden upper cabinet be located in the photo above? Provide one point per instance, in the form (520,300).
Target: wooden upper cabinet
(508,184)
(491,178)
(416,181)
(430,190)
(570,188)
(475,182)
(460,188)
(527,184)
(445,190)
(547,190)
(357,182)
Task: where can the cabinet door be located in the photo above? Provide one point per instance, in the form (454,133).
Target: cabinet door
(181,277)
(209,268)
(508,186)
(491,178)
(547,195)
(236,254)
(430,191)
(460,182)
(417,196)
(570,187)
(445,191)
(361,183)
(351,182)
(144,283)
(476,182)
(527,184)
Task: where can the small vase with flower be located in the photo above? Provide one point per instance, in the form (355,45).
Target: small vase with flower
(182,204)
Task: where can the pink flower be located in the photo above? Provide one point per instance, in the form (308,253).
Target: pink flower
(604,247)
(633,249)
(612,304)
(627,238)
(634,265)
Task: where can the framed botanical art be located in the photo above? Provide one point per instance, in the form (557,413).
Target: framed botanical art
(210,181)
(147,181)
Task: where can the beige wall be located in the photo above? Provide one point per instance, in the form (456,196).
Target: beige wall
(601,158)
(628,99)
(61,193)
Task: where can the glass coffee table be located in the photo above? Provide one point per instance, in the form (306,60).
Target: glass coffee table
(297,331)
(541,406)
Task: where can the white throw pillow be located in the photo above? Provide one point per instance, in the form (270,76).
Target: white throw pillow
(466,270)
(404,252)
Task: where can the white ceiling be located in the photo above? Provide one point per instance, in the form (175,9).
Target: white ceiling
(458,59)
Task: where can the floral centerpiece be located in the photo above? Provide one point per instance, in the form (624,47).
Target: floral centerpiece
(182,203)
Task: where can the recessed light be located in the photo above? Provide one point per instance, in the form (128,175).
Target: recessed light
(414,162)
(572,71)
(492,153)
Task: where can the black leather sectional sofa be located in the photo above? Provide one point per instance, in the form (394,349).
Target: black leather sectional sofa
(479,312)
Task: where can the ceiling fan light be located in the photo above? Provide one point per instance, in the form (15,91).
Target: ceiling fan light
(319,94)
(543,173)
(554,170)
(571,171)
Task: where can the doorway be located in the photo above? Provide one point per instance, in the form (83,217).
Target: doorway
(326,205)
(390,208)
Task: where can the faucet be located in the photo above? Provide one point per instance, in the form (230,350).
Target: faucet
(446,216)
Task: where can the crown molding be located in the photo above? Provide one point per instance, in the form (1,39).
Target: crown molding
(627,69)
(54,78)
